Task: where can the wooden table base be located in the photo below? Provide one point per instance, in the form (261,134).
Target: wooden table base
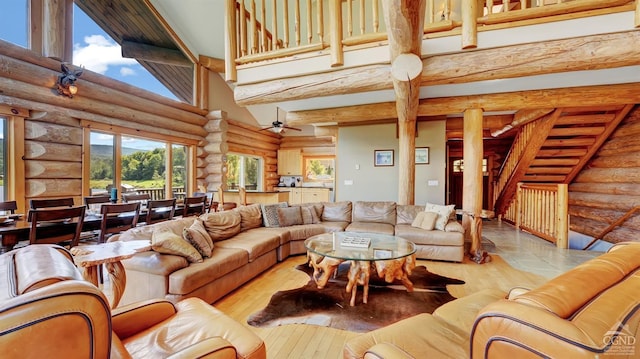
(360,272)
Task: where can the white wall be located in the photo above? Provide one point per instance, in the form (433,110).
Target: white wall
(355,147)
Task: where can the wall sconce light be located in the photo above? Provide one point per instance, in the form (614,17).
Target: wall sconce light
(67,80)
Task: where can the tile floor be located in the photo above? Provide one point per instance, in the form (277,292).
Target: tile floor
(530,253)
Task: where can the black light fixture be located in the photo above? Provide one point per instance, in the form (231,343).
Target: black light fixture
(67,80)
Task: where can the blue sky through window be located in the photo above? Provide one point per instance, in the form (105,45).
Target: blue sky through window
(92,48)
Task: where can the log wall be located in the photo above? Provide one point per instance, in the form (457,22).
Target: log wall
(609,186)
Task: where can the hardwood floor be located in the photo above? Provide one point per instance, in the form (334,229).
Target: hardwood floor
(308,341)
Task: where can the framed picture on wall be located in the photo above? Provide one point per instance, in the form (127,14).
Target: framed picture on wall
(422,155)
(383,158)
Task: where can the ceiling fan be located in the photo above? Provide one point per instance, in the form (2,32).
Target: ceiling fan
(278,126)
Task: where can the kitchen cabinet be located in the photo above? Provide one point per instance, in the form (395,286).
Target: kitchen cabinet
(289,162)
(298,195)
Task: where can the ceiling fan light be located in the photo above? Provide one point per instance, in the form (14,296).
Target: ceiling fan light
(276,129)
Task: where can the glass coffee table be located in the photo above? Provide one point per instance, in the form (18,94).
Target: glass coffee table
(392,257)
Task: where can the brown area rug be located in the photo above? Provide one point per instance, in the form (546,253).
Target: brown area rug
(388,303)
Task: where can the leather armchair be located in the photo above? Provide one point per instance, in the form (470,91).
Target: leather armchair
(48,311)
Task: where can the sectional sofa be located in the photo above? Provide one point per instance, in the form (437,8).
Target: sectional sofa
(250,239)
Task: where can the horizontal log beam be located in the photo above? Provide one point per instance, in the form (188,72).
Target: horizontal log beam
(212,63)
(575,54)
(156,54)
(621,94)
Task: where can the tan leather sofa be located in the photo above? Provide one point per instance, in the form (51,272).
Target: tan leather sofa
(240,256)
(48,311)
(591,311)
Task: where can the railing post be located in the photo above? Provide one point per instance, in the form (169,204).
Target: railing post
(469,24)
(517,203)
(231,43)
(335,19)
(563,216)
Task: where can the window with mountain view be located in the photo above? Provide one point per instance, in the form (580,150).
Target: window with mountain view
(142,165)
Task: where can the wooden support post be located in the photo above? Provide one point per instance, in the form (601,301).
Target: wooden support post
(405,21)
(52,28)
(231,41)
(562,225)
(472,181)
(636,22)
(335,40)
(469,9)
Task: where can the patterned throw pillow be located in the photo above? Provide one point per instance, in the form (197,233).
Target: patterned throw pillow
(270,214)
(199,238)
(444,212)
(289,216)
(164,241)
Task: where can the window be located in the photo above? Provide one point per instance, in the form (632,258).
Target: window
(319,169)
(458,166)
(142,165)
(244,171)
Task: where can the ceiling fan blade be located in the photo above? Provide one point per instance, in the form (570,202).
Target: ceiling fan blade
(292,128)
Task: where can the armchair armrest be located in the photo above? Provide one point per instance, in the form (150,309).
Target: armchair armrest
(210,348)
(511,327)
(134,318)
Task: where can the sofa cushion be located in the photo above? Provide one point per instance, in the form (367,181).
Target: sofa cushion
(270,213)
(454,226)
(434,237)
(198,237)
(250,216)
(305,231)
(406,213)
(444,212)
(155,263)
(462,312)
(256,243)
(370,227)
(377,212)
(165,241)
(222,262)
(336,211)
(222,225)
(334,226)
(309,215)
(289,216)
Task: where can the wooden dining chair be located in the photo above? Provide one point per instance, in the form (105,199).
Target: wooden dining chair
(222,205)
(143,198)
(9,206)
(56,225)
(94,203)
(194,206)
(51,203)
(117,218)
(160,210)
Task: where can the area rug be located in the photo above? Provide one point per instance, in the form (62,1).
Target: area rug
(388,303)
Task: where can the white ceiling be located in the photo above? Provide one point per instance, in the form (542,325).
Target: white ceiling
(200,25)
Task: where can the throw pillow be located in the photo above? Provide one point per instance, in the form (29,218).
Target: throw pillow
(289,216)
(222,225)
(429,220)
(164,241)
(443,213)
(309,215)
(270,214)
(199,238)
(250,216)
(417,222)
(454,226)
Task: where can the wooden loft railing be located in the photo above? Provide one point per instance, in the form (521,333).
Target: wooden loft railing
(270,29)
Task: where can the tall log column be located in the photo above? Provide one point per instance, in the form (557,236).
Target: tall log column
(404,20)
(216,148)
(472,182)
(470,15)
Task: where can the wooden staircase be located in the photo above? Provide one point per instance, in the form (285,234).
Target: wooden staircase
(555,147)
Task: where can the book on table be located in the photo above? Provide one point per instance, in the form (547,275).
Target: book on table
(356,242)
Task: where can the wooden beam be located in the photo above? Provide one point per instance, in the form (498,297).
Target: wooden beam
(606,95)
(522,117)
(575,54)
(156,54)
(212,63)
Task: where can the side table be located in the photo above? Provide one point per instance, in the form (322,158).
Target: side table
(90,257)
